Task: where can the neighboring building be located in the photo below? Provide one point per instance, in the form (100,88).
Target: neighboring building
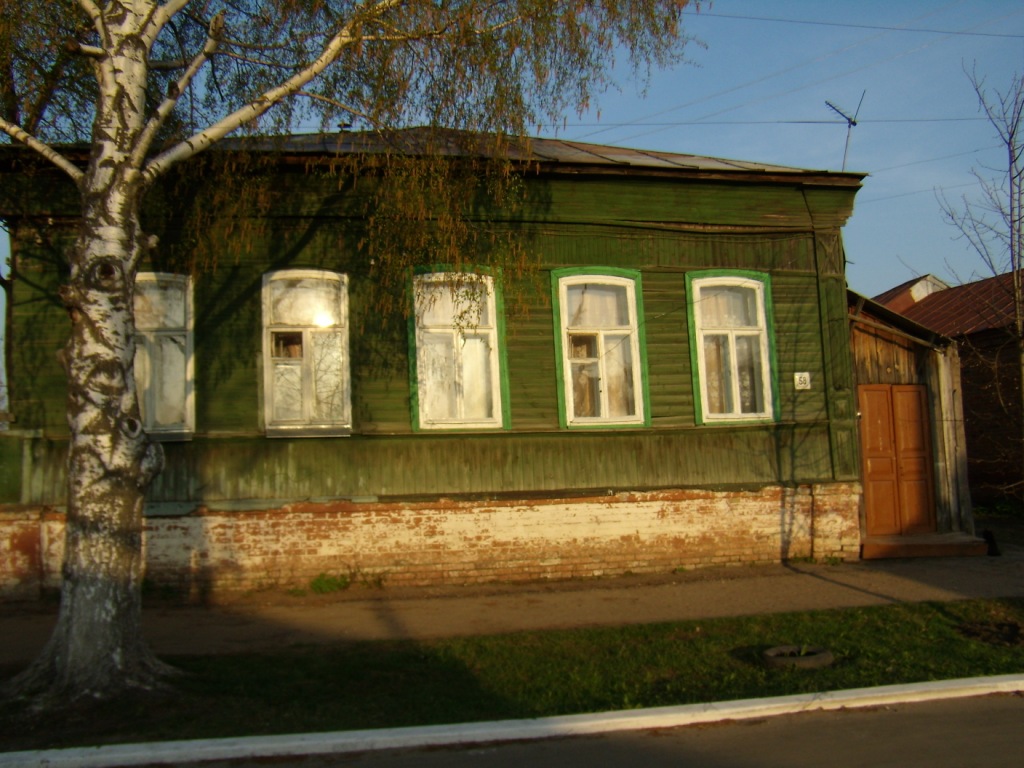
(671,387)
(909,293)
(981,317)
(913,454)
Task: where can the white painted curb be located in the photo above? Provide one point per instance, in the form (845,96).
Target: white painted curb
(177,752)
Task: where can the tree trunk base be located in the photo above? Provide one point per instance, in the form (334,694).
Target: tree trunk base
(48,685)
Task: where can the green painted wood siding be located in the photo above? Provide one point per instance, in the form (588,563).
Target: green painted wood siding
(652,226)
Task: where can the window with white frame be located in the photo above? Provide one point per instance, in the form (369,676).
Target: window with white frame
(457,374)
(600,348)
(731,344)
(305,353)
(163,354)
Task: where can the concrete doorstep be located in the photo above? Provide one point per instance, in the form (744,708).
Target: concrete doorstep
(300,745)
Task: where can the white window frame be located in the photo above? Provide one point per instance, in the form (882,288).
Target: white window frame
(762,330)
(457,330)
(307,423)
(603,334)
(149,337)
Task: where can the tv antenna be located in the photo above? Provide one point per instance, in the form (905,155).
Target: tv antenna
(850,122)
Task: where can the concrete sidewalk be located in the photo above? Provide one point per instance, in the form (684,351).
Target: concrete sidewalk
(275,618)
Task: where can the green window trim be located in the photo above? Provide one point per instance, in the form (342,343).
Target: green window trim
(501,420)
(761,282)
(598,338)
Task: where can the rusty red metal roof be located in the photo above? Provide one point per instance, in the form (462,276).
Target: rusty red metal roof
(969,308)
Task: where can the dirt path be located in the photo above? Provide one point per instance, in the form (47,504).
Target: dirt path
(274,619)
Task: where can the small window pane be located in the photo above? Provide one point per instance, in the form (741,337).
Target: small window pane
(728,306)
(305,301)
(287,344)
(143,378)
(718,373)
(436,369)
(287,396)
(169,365)
(619,373)
(581,347)
(748,372)
(593,305)
(586,390)
(449,303)
(159,303)
(476,379)
(328,376)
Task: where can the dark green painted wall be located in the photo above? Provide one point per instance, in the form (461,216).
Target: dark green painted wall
(664,229)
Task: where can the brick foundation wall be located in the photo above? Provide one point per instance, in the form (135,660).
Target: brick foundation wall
(460,542)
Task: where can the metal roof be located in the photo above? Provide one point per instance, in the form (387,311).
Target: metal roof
(548,152)
(963,309)
(550,155)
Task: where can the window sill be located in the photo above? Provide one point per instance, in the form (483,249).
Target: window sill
(308,431)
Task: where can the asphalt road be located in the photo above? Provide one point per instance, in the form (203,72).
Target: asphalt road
(956,733)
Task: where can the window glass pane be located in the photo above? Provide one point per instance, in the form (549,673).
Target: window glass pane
(435,367)
(328,376)
(143,376)
(717,373)
(593,305)
(476,379)
(159,303)
(435,304)
(619,376)
(581,346)
(459,303)
(728,306)
(287,395)
(305,301)
(168,368)
(586,393)
(748,374)
(287,344)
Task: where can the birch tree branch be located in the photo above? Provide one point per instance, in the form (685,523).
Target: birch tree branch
(258,106)
(160,18)
(19,134)
(104,73)
(175,91)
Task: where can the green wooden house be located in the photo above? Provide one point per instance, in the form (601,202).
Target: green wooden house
(668,386)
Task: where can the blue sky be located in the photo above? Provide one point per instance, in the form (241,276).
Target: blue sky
(758,91)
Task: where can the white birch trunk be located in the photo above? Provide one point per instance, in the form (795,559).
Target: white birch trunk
(97,648)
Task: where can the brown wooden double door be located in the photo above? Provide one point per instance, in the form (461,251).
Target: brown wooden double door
(896,451)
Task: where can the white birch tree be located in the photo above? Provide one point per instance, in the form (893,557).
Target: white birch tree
(146,85)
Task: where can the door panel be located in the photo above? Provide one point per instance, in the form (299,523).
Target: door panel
(914,459)
(878,443)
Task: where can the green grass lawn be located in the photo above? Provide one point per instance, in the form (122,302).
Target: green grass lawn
(534,674)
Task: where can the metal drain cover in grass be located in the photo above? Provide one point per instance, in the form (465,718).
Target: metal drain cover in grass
(993,632)
(797,657)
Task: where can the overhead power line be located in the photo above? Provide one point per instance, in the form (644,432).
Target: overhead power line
(862,26)
(698,122)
